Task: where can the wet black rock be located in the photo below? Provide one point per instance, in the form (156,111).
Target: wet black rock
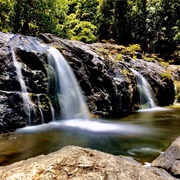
(109,86)
(159,78)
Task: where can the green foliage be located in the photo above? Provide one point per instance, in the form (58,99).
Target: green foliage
(83,31)
(6,11)
(125,72)
(165,64)
(128,50)
(33,17)
(149,58)
(155,24)
(177,38)
(136,15)
(119,57)
(79,30)
(79,22)
(166,75)
(163,24)
(105,11)
(131,50)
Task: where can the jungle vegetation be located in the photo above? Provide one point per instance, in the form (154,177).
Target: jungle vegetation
(154,24)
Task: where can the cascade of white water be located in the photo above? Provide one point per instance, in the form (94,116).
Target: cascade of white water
(25,95)
(52,110)
(69,95)
(40,110)
(146,94)
(68,98)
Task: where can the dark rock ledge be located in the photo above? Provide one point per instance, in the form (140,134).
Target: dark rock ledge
(109,86)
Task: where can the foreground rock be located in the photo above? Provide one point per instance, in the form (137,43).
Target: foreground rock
(77,163)
(170,159)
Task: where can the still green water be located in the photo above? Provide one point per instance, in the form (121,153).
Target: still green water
(143,135)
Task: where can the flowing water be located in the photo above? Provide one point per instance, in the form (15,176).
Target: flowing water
(68,98)
(143,135)
(28,105)
(145,92)
(67,90)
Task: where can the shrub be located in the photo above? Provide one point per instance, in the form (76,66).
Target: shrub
(165,64)
(125,72)
(119,57)
(84,31)
(131,50)
(166,75)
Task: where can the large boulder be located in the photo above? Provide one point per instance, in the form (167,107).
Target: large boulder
(77,163)
(109,87)
(15,111)
(101,69)
(159,78)
(108,91)
(170,159)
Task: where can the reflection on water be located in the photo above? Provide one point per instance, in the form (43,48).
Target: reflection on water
(143,135)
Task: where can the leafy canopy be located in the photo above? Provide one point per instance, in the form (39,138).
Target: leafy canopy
(154,24)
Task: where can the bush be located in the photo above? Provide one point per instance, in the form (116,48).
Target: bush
(131,50)
(84,31)
(166,75)
(119,57)
(178,98)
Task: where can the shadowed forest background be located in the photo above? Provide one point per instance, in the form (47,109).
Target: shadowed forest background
(153,24)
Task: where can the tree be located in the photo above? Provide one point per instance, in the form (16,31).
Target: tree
(80,21)
(105,19)
(6,12)
(34,16)
(137,22)
(152,23)
(120,29)
(162,20)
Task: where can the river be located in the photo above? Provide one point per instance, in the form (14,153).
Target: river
(142,135)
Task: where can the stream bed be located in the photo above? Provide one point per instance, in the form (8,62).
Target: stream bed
(142,135)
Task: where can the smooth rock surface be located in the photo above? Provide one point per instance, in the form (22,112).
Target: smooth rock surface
(77,163)
(170,159)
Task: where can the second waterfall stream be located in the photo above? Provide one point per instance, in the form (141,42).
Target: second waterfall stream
(146,95)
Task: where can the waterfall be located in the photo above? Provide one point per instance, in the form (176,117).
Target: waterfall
(66,99)
(68,93)
(28,106)
(146,94)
